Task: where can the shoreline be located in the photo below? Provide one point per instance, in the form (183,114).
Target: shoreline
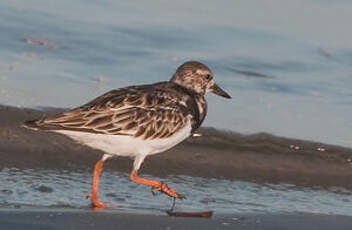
(84,219)
(260,158)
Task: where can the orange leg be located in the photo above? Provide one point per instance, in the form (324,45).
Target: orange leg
(94,193)
(156,185)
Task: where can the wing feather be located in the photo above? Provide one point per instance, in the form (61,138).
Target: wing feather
(135,111)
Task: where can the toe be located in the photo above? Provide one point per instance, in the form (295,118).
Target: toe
(170,192)
(98,204)
(180,196)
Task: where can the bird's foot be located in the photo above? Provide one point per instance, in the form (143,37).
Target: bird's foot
(168,191)
(99,204)
(96,203)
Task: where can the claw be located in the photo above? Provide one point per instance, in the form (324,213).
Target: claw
(156,185)
(153,191)
(168,191)
(96,203)
(181,197)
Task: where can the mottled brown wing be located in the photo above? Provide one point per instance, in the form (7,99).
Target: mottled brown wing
(139,113)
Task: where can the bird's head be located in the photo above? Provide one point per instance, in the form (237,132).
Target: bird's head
(198,78)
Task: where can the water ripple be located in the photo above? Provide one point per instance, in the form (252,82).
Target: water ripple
(51,188)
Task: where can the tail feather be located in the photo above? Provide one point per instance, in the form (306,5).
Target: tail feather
(31,125)
(40,125)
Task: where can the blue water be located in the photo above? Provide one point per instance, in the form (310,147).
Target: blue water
(38,188)
(302,51)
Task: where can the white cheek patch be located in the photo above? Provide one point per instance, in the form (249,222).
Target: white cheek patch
(198,89)
(182,103)
(202,72)
(210,86)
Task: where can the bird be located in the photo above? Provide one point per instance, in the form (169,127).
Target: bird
(138,121)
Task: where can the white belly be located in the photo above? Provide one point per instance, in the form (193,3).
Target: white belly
(127,145)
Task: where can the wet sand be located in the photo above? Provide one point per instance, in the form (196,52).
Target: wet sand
(80,219)
(260,158)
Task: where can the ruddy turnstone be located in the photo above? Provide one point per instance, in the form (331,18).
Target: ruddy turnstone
(138,121)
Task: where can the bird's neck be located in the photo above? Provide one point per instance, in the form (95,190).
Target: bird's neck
(202,109)
(197,102)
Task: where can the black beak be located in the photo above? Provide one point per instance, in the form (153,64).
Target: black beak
(217,90)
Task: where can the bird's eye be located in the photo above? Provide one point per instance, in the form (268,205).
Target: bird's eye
(208,77)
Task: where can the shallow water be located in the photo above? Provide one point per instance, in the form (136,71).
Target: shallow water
(68,189)
(288,67)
